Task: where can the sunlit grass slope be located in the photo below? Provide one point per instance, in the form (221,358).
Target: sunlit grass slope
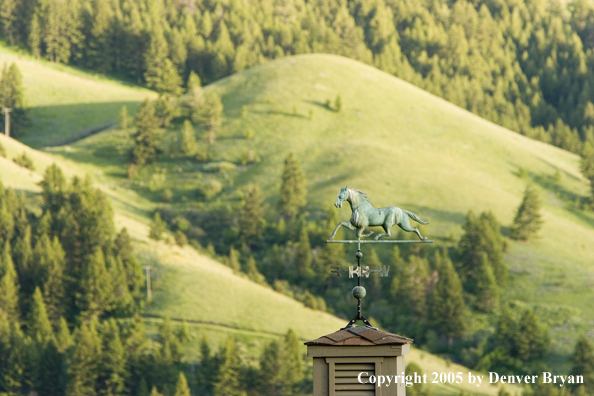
(404,147)
(215,302)
(408,148)
(64,102)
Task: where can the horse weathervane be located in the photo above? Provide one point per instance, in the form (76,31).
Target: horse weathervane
(365,215)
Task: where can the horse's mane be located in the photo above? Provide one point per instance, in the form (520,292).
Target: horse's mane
(362,194)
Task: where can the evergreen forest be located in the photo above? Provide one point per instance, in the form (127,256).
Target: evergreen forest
(525,65)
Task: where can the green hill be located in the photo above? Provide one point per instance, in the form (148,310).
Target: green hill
(402,146)
(64,102)
(215,302)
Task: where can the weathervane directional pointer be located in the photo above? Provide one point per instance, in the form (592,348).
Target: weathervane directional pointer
(365,215)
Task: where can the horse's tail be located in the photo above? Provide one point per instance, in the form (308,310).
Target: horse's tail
(415,217)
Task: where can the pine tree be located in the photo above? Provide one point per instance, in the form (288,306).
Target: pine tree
(253,273)
(485,287)
(193,82)
(446,305)
(11,96)
(155,59)
(23,256)
(171,82)
(14,359)
(506,330)
(233,260)
(210,114)
(293,191)
(146,139)
(51,371)
(112,368)
(34,40)
(194,97)
(155,392)
(587,164)
(338,104)
(96,291)
(99,47)
(251,217)
(38,324)
(291,368)
(124,303)
(269,369)
(158,227)
(53,189)
(63,337)
(583,361)
(83,369)
(132,267)
(188,141)
(533,340)
(209,369)
(9,286)
(528,219)
(409,285)
(303,255)
(124,118)
(228,382)
(181,388)
(49,258)
(481,235)
(8,10)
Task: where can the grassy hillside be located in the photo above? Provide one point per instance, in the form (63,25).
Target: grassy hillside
(401,145)
(64,102)
(215,302)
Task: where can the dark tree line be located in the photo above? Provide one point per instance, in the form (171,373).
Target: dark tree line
(70,294)
(524,65)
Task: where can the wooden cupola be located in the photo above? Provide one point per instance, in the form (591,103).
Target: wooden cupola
(339,359)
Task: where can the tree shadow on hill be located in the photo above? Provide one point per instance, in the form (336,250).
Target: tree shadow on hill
(319,104)
(551,182)
(66,124)
(279,112)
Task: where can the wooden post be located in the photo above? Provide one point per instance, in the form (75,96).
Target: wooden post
(349,361)
(7,121)
(148,282)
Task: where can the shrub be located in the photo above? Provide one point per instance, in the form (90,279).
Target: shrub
(248,157)
(157,181)
(208,190)
(25,161)
(180,238)
(220,167)
(167,196)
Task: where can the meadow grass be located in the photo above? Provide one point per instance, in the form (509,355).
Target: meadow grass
(401,145)
(63,102)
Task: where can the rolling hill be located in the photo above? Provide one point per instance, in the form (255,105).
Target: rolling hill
(65,102)
(401,145)
(214,302)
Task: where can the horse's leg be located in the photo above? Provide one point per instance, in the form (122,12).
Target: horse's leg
(360,233)
(386,228)
(405,225)
(342,224)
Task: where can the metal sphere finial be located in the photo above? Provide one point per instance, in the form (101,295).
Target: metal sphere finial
(358,255)
(359,292)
